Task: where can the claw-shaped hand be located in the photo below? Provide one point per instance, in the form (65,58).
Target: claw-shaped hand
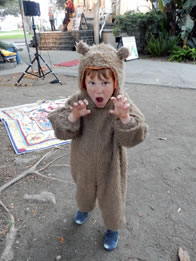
(79,109)
(121,108)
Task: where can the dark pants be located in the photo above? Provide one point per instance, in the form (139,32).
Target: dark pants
(52,25)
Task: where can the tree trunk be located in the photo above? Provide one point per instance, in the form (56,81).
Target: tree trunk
(118,6)
(25,34)
(96,21)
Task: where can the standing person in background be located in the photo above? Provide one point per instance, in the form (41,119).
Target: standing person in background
(71,7)
(67,15)
(71,14)
(51,19)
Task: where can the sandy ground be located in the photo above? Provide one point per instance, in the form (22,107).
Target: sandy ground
(161,199)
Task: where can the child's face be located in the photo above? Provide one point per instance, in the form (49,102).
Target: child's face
(99,90)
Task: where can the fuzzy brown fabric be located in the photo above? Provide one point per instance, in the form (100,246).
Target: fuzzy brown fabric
(98,153)
(103,55)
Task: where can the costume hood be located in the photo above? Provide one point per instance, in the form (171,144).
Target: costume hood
(101,56)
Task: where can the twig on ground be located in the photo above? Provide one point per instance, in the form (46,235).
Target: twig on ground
(47,165)
(3,232)
(55,179)
(60,165)
(8,253)
(183,255)
(33,170)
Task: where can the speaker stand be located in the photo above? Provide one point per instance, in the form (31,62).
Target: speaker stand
(37,58)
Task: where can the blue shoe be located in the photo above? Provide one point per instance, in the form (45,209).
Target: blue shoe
(111,240)
(80,217)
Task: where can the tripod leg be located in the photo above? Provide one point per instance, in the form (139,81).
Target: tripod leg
(26,71)
(40,71)
(50,70)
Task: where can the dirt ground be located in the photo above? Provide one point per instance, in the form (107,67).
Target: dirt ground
(161,198)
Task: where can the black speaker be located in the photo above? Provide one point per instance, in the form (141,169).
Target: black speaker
(31,8)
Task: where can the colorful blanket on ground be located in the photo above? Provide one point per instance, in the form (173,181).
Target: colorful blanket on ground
(28,127)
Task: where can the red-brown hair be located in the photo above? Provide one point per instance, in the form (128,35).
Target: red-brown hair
(102,73)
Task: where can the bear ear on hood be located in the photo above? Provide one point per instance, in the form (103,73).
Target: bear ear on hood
(82,48)
(123,53)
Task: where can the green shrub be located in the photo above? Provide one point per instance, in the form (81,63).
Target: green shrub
(192,42)
(144,25)
(162,45)
(183,54)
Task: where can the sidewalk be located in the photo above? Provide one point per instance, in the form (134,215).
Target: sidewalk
(140,71)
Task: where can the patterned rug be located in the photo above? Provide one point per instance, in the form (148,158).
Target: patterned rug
(28,127)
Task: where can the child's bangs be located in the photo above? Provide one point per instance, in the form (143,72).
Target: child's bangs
(104,73)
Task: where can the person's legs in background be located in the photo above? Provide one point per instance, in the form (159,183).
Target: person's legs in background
(53,26)
(13,48)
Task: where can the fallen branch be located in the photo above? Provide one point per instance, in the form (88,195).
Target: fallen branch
(8,253)
(60,165)
(50,163)
(183,255)
(54,179)
(3,232)
(33,170)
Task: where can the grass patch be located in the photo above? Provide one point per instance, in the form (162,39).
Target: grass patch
(16,34)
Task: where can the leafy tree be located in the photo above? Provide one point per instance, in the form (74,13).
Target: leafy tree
(9,7)
(60,3)
(181,15)
(53,4)
(3,2)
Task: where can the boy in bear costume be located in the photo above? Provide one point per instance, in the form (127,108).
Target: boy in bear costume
(101,121)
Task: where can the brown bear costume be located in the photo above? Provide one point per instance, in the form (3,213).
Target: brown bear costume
(98,153)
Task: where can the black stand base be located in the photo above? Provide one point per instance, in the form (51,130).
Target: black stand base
(119,41)
(37,58)
(41,73)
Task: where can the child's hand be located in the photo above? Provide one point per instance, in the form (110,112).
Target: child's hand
(121,108)
(79,109)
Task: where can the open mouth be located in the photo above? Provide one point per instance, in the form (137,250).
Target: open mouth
(99,99)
